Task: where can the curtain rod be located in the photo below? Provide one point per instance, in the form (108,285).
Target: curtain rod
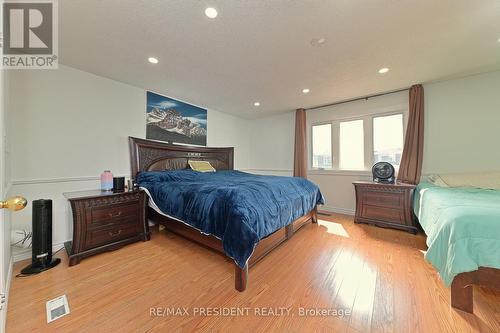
(356,99)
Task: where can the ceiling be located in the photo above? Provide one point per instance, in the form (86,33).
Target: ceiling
(261,50)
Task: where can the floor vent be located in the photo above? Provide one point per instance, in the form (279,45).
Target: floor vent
(57,308)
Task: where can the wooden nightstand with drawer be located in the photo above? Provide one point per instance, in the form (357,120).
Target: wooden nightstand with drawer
(385,205)
(104,221)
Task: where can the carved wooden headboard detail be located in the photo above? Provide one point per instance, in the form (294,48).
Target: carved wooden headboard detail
(147,155)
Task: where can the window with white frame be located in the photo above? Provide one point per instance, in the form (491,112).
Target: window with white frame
(322,146)
(351,145)
(388,139)
(358,143)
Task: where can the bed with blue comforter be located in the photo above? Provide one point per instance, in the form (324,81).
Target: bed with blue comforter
(238,208)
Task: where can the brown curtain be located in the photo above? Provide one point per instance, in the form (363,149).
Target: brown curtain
(410,168)
(300,154)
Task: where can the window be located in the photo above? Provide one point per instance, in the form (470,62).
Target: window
(388,139)
(351,145)
(322,146)
(355,144)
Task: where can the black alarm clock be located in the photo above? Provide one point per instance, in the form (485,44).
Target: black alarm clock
(383,172)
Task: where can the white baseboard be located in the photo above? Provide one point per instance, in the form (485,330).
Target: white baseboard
(338,210)
(23,254)
(19,254)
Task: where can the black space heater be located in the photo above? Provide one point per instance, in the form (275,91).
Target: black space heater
(41,251)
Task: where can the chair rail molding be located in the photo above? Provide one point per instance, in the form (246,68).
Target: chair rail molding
(58,180)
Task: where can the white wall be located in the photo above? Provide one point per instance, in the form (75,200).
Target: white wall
(67,126)
(462,125)
(70,113)
(462,120)
(272,144)
(225,130)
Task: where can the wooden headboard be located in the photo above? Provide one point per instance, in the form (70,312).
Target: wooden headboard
(147,155)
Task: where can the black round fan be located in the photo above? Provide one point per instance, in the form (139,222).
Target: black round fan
(383,172)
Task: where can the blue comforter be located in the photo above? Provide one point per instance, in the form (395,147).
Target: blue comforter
(237,207)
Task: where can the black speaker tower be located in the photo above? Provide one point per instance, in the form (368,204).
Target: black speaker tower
(41,251)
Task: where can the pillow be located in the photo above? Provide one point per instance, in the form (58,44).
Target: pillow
(489,180)
(437,180)
(201,166)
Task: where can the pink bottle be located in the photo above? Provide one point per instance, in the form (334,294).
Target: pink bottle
(106,181)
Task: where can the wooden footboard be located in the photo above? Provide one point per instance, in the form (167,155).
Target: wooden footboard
(261,250)
(461,287)
(268,244)
(147,155)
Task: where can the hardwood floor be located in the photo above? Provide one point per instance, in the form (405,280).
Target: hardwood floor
(378,275)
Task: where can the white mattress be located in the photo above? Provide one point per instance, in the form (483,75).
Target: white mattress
(152,204)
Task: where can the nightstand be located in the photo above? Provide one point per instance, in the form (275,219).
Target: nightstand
(385,205)
(104,221)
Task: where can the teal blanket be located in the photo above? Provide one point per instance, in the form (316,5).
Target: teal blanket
(462,227)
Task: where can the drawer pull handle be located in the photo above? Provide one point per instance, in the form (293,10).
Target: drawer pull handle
(115,215)
(116,233)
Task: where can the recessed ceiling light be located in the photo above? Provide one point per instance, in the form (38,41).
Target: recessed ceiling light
(211,12)
(498,40)
(305,91)
(318,41)
(383,70)
(153,60)
(256,104)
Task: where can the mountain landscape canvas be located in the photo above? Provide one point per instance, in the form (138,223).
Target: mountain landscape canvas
(174,121)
